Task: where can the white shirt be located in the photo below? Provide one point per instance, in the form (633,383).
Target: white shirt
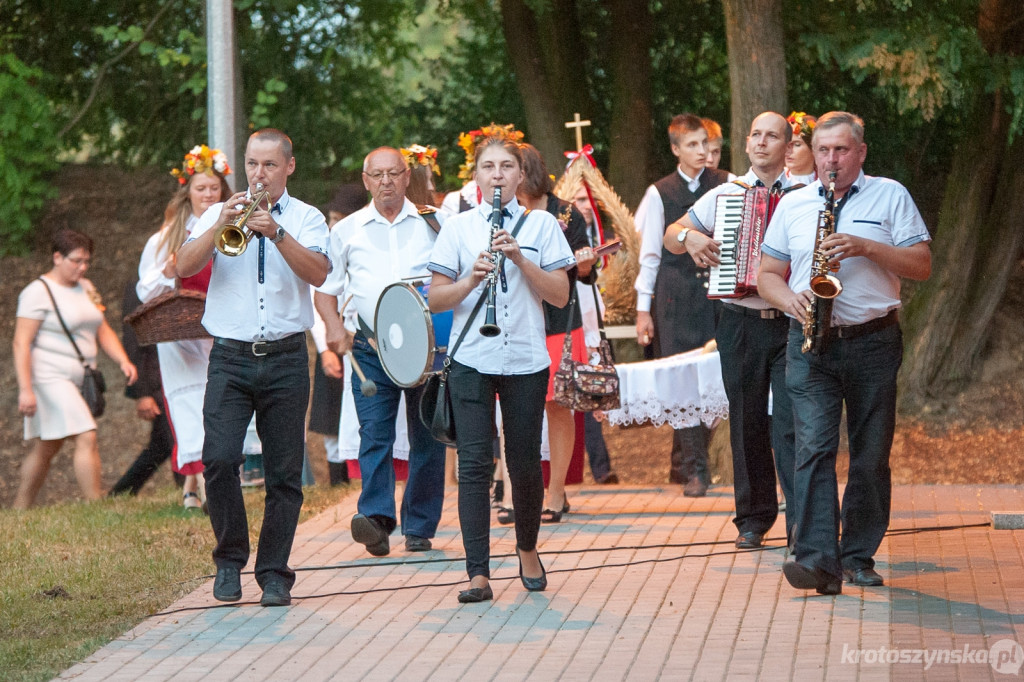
(238,305)
(451,206)
(521,347)
(881,210)
(702,213)
(650,223)
(369,253)
(152,281)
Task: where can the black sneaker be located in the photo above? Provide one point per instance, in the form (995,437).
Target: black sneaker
(227,586)
(275,593)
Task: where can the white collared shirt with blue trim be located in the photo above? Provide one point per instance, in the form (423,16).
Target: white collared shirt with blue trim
(238,305)
(875,208)
(521,347)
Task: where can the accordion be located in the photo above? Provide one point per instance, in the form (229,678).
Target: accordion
(740,222)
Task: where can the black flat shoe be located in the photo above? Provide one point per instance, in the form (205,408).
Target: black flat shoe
(749,539)
(550,516)
(533,584)
(506,516)
(476,594)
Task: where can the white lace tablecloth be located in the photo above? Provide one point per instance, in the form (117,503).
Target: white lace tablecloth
(681,390)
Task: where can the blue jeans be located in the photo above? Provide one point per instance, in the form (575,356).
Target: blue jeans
(276,388)
(424,491)
(860,373)
(597,450)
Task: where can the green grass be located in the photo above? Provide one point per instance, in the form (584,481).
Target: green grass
(75,576)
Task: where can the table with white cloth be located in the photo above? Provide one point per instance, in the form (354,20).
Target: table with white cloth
(681,390)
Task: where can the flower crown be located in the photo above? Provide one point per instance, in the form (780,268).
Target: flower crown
(468,142)
(202,159)
(802,124)
(417,154)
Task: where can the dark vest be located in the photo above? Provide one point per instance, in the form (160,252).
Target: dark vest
(684,317)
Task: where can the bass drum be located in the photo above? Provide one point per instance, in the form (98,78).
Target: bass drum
(411,342)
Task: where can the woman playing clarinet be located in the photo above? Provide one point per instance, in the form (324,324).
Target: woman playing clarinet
(528,257)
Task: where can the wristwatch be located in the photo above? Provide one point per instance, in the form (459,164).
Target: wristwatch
(681,237)
(276,239)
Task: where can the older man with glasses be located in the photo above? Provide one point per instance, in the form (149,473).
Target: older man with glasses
(386,241)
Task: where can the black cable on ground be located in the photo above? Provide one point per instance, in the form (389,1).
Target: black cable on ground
(636,562)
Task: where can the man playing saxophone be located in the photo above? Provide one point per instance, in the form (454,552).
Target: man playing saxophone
(879,237)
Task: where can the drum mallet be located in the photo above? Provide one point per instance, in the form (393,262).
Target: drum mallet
(366,387)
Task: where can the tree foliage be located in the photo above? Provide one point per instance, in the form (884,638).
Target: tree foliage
(28,150)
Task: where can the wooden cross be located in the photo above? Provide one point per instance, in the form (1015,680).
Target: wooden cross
(578,125)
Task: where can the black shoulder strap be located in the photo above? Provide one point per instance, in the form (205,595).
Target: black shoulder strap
(67,331)
(429,214)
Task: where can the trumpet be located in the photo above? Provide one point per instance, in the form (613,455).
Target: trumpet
(232,239)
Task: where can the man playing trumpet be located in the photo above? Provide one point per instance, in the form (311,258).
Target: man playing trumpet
(258,308)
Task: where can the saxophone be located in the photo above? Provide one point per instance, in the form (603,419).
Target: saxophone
(825,286)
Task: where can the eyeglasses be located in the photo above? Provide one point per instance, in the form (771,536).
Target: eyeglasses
(378,176)
(79,261)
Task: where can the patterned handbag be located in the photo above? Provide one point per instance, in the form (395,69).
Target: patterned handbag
(582,386)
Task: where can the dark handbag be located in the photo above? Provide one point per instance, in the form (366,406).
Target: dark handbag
(436,411)
(582,386)
(93,384)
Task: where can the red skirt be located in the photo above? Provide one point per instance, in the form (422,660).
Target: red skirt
(555,343)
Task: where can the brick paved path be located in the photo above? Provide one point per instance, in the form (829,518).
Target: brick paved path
(643,584)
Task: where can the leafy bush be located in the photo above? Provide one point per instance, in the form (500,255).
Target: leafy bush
(28,147)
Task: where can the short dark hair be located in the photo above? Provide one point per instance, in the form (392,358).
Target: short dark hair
(681,124)
(67,240)
(275,135)
(536,180)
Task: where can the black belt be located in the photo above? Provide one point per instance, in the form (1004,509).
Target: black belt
(261,348)
(854,330)
(763,313)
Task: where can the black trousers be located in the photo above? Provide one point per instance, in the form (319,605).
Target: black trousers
(156,452)
(522,417)
(276,388)
(753,353)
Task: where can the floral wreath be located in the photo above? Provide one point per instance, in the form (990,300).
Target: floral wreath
(468,142)
(802,124)
(202,159)
(417,154)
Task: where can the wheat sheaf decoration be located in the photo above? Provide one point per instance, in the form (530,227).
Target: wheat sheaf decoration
(616,281)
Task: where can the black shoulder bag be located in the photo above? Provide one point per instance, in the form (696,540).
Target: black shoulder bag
(93,385)
(436,411)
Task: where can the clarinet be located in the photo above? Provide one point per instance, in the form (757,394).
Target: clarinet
(825,286)
(490,325)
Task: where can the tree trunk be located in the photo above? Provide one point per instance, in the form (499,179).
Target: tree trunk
(757,68)
(546,50)
(631,135)
(977,241)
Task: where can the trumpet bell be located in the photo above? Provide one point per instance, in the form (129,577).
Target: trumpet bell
(826,286)
(232,240)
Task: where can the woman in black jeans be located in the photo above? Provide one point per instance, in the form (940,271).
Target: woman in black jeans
(512,366)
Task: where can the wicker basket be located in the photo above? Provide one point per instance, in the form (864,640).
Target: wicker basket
(174,316)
